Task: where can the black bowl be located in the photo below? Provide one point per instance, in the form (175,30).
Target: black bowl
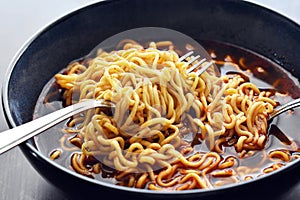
(236,22)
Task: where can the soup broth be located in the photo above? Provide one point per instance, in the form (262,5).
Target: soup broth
(230,59)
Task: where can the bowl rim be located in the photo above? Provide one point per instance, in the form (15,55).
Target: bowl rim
(27,146)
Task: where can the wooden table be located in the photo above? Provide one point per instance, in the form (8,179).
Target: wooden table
(18,21)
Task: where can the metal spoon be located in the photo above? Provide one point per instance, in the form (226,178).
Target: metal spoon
(19,134)
(292,104)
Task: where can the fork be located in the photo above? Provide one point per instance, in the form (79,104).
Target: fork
(13,137)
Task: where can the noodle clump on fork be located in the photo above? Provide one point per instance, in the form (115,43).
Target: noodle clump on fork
(162,113)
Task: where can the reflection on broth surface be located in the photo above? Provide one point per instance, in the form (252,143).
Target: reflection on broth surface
(192,158)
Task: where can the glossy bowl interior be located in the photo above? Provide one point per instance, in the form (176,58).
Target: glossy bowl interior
(74,35)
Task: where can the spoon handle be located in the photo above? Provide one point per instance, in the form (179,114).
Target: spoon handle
(293,104)
(19,134)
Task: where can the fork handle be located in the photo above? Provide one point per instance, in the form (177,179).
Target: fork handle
(13,137)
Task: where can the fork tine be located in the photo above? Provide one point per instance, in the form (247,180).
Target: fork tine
(200,71)
(189,70)
(193,59)
(195,66)
(182,58)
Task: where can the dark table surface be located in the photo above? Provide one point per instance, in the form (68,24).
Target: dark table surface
(18,21)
